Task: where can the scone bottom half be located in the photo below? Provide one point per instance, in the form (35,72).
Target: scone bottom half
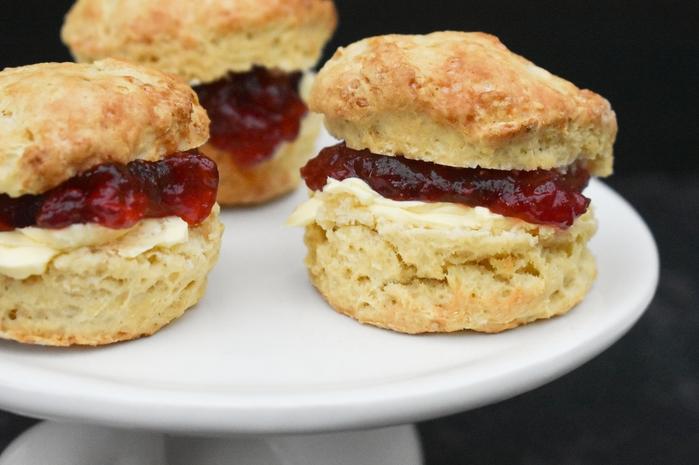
(250,64)
(477,235)
(115,244)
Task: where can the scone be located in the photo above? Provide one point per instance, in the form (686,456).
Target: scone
(108,220)
(247,60)
(455,201)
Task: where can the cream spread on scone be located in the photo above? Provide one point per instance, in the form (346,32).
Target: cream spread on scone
(28,251)
(424,214)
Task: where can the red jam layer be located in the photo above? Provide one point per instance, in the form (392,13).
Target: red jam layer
(549,197)
(252,113)
(119,196)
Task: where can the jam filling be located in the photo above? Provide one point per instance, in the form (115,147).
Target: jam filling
(119,196)
(548,197)
(252,113)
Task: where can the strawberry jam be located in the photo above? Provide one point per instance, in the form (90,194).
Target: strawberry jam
(549,197)
(252,113)
(119,196)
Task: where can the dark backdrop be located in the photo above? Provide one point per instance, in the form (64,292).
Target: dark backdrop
(638,403)
(642,55)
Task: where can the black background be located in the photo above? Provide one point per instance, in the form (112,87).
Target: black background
(641,55)
(639,402)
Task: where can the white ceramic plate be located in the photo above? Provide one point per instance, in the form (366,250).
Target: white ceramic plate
(263,353)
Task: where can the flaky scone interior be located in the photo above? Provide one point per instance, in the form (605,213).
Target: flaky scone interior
(414,267)
(113,292)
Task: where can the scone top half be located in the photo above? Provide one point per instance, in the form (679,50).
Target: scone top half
(248,61)
(108,143)
(202,41)
(462,100)
(457,117)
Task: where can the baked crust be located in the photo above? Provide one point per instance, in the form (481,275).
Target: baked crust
(461,99)
(59,119)
(202,41)
(412,278)
(93,296)
(270,179)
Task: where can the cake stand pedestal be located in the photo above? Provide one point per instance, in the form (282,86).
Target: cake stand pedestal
(71,444)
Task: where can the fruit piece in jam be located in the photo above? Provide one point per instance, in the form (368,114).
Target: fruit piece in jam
(548,197)
(252,113)
(119,196)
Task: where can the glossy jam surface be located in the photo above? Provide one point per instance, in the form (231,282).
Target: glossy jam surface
(549,197)
(118,196)
(252,113)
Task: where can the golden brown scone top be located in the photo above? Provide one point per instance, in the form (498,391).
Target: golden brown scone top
(59,119)
(202,40)
(461,99)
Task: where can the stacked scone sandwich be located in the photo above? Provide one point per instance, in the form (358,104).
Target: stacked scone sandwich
(108,222)
(247,60)
(455,201)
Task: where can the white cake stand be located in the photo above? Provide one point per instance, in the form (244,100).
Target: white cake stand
(264,365)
